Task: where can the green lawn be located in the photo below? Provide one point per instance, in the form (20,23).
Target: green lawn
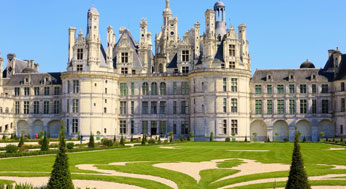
(313,154)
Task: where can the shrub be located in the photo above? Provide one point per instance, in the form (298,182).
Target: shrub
(131,140)
(21,142)
(211,138)
(333,139)
(165,141)
(91,143)
(159,140)
(45,143)
(11,149)
(268,139)
(144,139)
(181,138)
(297,177)
(171,137)
(122,141)
(107,142)
(304,139)
(342,139)
(227,139)
(286,139)
(151,141)
(70,145)
(115,138)
(61,176)
(245,139)
(190,136)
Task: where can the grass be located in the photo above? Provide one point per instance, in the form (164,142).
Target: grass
(313,154)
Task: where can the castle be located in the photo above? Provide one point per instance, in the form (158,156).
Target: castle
(201,83)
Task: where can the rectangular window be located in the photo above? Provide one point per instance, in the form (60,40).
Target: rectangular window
(184,88)
(105,110)
(292,107)
(68,106)
(132,107)
(231,50)
(37,91)
(185,55)
(56,107)
(75,86)
(106,90)
(79,67)
(234,105)
(325,106)
(26,91)
(185,69)
(46,91)
(224,127)
(124,70)
(224,84)
(145,127)
(175,88)
(303,106)
(234,85)
(174,127)
(303,89)
(132,88)
(17,91)
(314,106)
(222,66)
(74,126)
(269,107)
(163,127)
(36,107)
(153,128)
(123,108)
(124,57)
(122,127)
(234,127)
(258,106)
(292,91)
(175,107)
(75,105)
(145,107)
(162,107)
(184,107)
(17,111)
(280,89)
(153,107)
(56,90)
(225,105)
(232,65)
(314,88)
(184,128)
(281,107)
(269,89)
(342,86)
(123,89)
(342,109)
(132,127)
(46,107)
(26,107)
(258,89)
(79,54)
(324,88)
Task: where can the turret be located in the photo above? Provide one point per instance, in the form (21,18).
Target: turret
(71,42)
(220,23)
(143,32)
(110,44)
(1,68)
(242,40)
(11,66)
(93,39)
(197,39)
(210,22)
(167,14)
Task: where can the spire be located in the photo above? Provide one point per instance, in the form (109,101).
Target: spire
(167,4)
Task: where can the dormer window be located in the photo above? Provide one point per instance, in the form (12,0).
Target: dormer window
(313,76)
(269,77)
(231,50)
(79,54)
(291,77)
(185,56)
(124,57)
(26,80)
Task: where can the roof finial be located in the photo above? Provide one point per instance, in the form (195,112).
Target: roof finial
(167,4)
(337,48)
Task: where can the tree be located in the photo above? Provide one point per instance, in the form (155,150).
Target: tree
(61,176)
(91,143)
(122,141)
(170,137)
(45,143)
(254,137)
(21,142)
(211,138)
(131,140)
(297,177)
(144,139)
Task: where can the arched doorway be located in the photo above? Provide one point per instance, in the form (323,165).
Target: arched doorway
(260,129)
(327,127)
(304,127)
(23,128)
(281,130)
(37,127)
(54,128)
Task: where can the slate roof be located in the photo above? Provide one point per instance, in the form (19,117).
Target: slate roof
(342,68)
(173,63)
(219,53)
(36,78)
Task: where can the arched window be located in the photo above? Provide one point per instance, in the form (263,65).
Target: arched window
(160,68)
(154,88)
(145,88)
(162,88)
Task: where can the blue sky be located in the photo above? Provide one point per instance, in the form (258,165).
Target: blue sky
(282,33)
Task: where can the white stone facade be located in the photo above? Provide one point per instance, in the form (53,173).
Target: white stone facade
(201,83)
